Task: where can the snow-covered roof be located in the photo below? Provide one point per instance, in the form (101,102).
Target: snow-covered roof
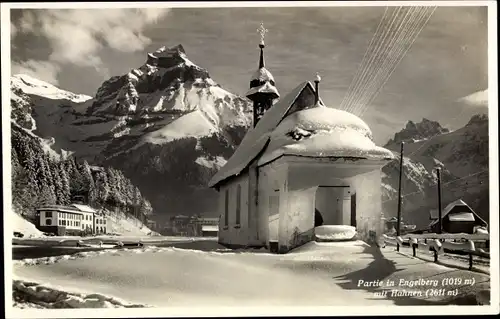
(263,75)
(209,228)
(256,138)
(59,208)
(459,216)
(84,208)
(462,217)
(434,213)
(332,133)
(267,87)
(322,132)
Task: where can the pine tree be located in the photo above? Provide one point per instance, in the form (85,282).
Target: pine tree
(58,183)
(65,185)
(45,197)
(89,183)
(76,179)
(102,187)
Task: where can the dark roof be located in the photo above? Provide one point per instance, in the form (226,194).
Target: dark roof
(257,138)
(452,208)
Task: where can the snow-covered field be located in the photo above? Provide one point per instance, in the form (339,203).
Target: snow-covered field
(316,274)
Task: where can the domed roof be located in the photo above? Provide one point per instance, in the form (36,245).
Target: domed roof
(323,132)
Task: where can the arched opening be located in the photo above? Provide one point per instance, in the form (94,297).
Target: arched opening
(318,219)
(332,206)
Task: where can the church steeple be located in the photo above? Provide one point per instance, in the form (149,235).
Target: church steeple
(262,86)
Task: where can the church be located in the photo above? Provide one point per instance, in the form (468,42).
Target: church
(302,164)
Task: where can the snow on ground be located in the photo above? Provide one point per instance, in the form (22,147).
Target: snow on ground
(119,223)
(320,274)
(193,124)
(216,163)
(334,232)
(23,226)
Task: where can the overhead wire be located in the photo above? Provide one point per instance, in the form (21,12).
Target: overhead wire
(378,47)
(399,60)
(394,54)
(381,59)
(365,57)
(413,38)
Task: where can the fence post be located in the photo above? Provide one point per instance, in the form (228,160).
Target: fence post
(470,261)
(414,250)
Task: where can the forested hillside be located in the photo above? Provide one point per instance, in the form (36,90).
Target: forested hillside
(40,178)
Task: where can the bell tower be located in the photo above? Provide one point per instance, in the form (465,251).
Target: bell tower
(262,86)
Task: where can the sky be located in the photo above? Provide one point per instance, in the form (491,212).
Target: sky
(442,77)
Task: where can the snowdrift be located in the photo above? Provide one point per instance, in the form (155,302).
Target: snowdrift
(335,233)
(49,297)
(23,226)
(119,223)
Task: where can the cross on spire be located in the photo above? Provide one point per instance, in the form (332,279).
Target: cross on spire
(262,31)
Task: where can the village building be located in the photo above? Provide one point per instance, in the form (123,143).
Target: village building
(100,223)
(74,219)
(302,165)
(457,217)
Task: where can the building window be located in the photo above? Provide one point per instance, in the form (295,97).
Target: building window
(226,208)
(104,221)
(48,222)
(48,214)
(238,204)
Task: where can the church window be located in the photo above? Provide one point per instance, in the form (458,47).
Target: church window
(238,204)
(226,208)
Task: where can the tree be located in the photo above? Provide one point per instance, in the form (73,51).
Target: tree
(65,185)
(88,180)
(45,197)
(102,187)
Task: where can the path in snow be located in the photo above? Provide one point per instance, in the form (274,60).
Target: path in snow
(320,274)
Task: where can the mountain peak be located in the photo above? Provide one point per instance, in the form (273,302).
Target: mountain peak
(417,131)
(169,57)
(478,119)
(30,85)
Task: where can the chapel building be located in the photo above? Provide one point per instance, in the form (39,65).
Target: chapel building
(302,164)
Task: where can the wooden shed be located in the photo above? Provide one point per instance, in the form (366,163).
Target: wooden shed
(457,217)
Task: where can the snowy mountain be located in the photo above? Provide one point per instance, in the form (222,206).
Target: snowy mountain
(462,156)
(166,124)
(415,132)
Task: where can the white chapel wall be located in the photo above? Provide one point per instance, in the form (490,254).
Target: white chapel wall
(233,233)
(368,203)
(272,189)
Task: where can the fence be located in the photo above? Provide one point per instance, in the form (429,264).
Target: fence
(468,244)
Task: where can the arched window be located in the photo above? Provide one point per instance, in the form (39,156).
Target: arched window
(238,204)
(48,222)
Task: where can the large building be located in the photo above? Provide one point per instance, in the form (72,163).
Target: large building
(75,219)
(300,157)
